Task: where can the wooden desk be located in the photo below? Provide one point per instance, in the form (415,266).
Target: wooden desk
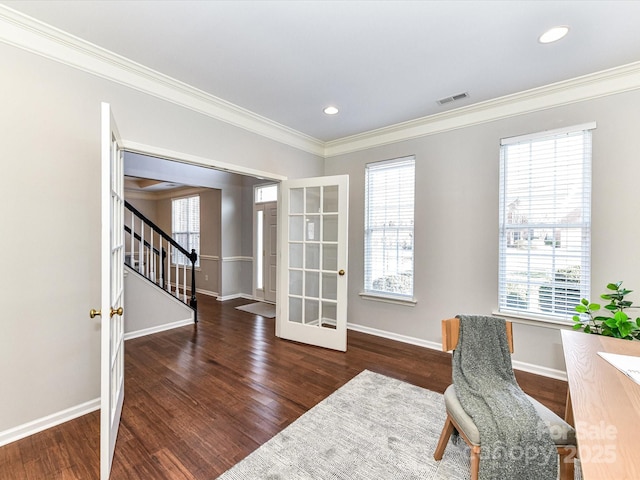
(604,406)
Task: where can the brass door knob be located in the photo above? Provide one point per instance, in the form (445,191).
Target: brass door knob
(93,313)
(340,272)
(118,312)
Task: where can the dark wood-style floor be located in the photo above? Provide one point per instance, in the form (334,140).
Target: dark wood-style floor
(199,399)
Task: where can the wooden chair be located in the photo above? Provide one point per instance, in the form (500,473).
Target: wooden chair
(458,419)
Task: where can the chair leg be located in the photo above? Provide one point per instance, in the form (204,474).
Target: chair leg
(566,460)
(475,462)
(447,430)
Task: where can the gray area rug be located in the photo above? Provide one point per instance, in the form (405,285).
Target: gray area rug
(373,428)
(263,309)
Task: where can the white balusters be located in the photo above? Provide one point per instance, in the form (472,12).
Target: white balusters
(169,267)
(184,283)
(147,251)
(141,250)
(152,266)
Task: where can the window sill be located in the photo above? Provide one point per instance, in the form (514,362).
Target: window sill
(410,302)
(533,319)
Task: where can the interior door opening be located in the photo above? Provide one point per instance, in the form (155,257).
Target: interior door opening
(227,259)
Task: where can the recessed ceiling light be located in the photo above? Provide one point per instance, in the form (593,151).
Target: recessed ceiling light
(330,110)
(553,34)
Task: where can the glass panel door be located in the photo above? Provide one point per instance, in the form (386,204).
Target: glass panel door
(313,298)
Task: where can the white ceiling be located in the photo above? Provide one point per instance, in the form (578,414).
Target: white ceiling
(380,62)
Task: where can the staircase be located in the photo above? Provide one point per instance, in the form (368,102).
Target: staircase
(150,253)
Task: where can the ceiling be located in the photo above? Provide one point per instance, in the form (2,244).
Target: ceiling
(379,62)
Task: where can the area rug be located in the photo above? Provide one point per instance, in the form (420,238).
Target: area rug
(373,428)
(263,309)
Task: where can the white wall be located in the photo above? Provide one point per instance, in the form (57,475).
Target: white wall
(456,220)
(149,309)
(49,138)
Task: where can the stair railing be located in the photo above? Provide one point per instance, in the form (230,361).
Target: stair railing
(151,250)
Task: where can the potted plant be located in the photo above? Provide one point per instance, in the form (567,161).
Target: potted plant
(618,324)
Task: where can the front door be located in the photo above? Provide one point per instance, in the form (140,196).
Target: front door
(312,278)
(112,265)
(270,262)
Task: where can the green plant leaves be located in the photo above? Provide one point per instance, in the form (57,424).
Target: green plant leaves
(618,325)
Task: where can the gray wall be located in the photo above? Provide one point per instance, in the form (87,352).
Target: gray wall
(50,138)
(49,127)
(456,220)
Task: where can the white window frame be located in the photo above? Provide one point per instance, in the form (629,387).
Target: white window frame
(390,187)
(265,193)
(178,258)
(538,278)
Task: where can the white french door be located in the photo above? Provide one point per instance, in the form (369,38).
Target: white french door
(312,277)
(112,286)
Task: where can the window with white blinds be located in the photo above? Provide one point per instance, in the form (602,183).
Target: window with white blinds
(185,227)
(545,222)
(388,237)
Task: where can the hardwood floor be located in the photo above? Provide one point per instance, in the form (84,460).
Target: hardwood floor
(200,398)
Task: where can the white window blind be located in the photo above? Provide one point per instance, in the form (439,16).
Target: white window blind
(185,228)
(389,210)
(545,221)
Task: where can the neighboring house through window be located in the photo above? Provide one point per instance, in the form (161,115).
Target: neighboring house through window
(545,222)
(388,238)
(185,227)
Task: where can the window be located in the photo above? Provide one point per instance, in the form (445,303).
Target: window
(388,237)
(185,227)
(266,193)
(545,221)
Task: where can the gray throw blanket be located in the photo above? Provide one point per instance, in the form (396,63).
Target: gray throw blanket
(514,442)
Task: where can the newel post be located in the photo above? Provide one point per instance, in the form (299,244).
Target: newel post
(193,302)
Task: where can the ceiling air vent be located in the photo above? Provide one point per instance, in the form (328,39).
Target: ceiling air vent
(453,98)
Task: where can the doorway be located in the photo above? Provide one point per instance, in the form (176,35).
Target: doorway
(227,251)
(265,249)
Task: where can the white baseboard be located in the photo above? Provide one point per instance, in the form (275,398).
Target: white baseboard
(159,328)
(236,295)
(206,292)
(538,370)
(395,336)
(36,426)
(525,367)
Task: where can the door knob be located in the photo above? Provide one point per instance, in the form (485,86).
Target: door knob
(118,312)
(93,313)
(340,272)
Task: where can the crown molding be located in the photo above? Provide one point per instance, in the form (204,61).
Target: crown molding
(599,84)
(29,34)
(34,36)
